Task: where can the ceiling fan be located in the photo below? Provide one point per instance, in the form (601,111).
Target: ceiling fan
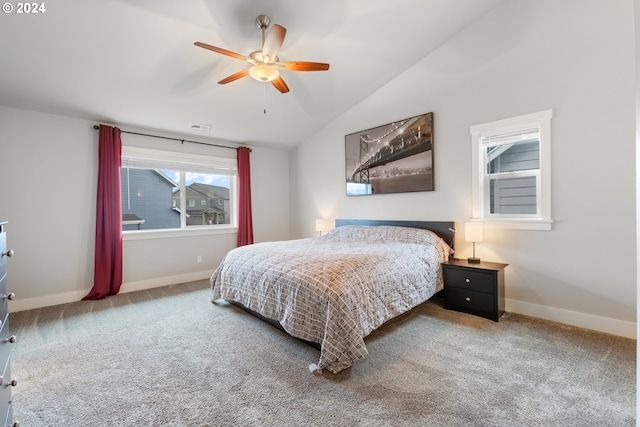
(265,64)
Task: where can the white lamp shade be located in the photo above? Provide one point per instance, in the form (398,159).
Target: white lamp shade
(473,232)
(324,225)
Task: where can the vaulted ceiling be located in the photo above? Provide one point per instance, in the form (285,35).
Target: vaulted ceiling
(134,62)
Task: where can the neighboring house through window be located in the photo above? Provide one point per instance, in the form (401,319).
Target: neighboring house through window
(146,200)
(169,190)
(511,172)
(214,206)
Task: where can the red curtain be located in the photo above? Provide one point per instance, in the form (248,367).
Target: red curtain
(107,274)
(245,221)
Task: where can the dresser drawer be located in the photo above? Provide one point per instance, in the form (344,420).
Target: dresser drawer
(5,387)
(470,301)
(470,279)
(5,343)
(8,417)
(4,302)
(3,258)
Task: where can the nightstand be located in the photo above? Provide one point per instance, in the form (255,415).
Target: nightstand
(474,288)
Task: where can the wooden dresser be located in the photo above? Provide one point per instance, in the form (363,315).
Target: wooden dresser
(6,339)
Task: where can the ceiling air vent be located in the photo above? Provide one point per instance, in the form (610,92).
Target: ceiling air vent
(200,127)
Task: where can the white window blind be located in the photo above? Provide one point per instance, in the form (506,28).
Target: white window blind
(144,158)
(514,137)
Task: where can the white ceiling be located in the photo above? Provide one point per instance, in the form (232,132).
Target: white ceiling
(134,63)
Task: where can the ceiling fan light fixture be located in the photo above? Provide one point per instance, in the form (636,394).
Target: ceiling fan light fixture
(264,72)
(265,64)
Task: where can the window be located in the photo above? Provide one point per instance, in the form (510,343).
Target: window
(160,190)
(511,172)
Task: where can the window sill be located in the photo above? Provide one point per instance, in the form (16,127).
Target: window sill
(177,232)
(516,224)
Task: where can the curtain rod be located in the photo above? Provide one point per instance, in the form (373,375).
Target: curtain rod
(173,139)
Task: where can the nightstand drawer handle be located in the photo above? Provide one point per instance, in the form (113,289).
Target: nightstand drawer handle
(467,280)
(467,299)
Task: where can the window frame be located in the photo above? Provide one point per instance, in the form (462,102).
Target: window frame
(147,158)
(481,179)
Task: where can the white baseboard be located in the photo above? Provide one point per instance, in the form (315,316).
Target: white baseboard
(574,318)
(20,304)
(164,281)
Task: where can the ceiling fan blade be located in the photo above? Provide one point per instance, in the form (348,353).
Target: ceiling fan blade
(303,66)
(233,77)
(221,50)
(279,84)
(273,42)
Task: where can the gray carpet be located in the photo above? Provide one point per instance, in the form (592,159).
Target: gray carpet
(169,356)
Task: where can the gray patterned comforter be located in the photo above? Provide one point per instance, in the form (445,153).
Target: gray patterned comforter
(337,288)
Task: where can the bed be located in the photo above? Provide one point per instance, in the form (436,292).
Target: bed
(335,289)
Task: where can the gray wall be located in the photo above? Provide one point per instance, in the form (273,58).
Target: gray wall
(574,57)
(525,56)
(53,159)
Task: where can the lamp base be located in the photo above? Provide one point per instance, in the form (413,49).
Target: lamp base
(473,260)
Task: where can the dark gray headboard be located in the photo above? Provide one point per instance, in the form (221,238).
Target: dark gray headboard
(441,228)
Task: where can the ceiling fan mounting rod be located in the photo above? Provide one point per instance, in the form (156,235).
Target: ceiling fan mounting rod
(262,21)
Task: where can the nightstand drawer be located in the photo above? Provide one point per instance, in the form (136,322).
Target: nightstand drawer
(470,279)
(467,300)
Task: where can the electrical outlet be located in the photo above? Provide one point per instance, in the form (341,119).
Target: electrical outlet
(198,259)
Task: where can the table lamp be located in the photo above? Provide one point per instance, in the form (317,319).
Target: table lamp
(473,233)
(323,225)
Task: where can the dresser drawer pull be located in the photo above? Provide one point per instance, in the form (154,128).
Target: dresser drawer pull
(9,296)
(9,253)
(11,339)
(467,299)
(467,280)
(12,383)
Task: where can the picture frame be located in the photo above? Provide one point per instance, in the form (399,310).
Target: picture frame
(392,158)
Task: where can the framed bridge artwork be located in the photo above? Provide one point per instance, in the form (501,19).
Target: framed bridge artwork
(393,158)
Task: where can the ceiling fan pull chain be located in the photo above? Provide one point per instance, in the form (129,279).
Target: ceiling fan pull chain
(264,97)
